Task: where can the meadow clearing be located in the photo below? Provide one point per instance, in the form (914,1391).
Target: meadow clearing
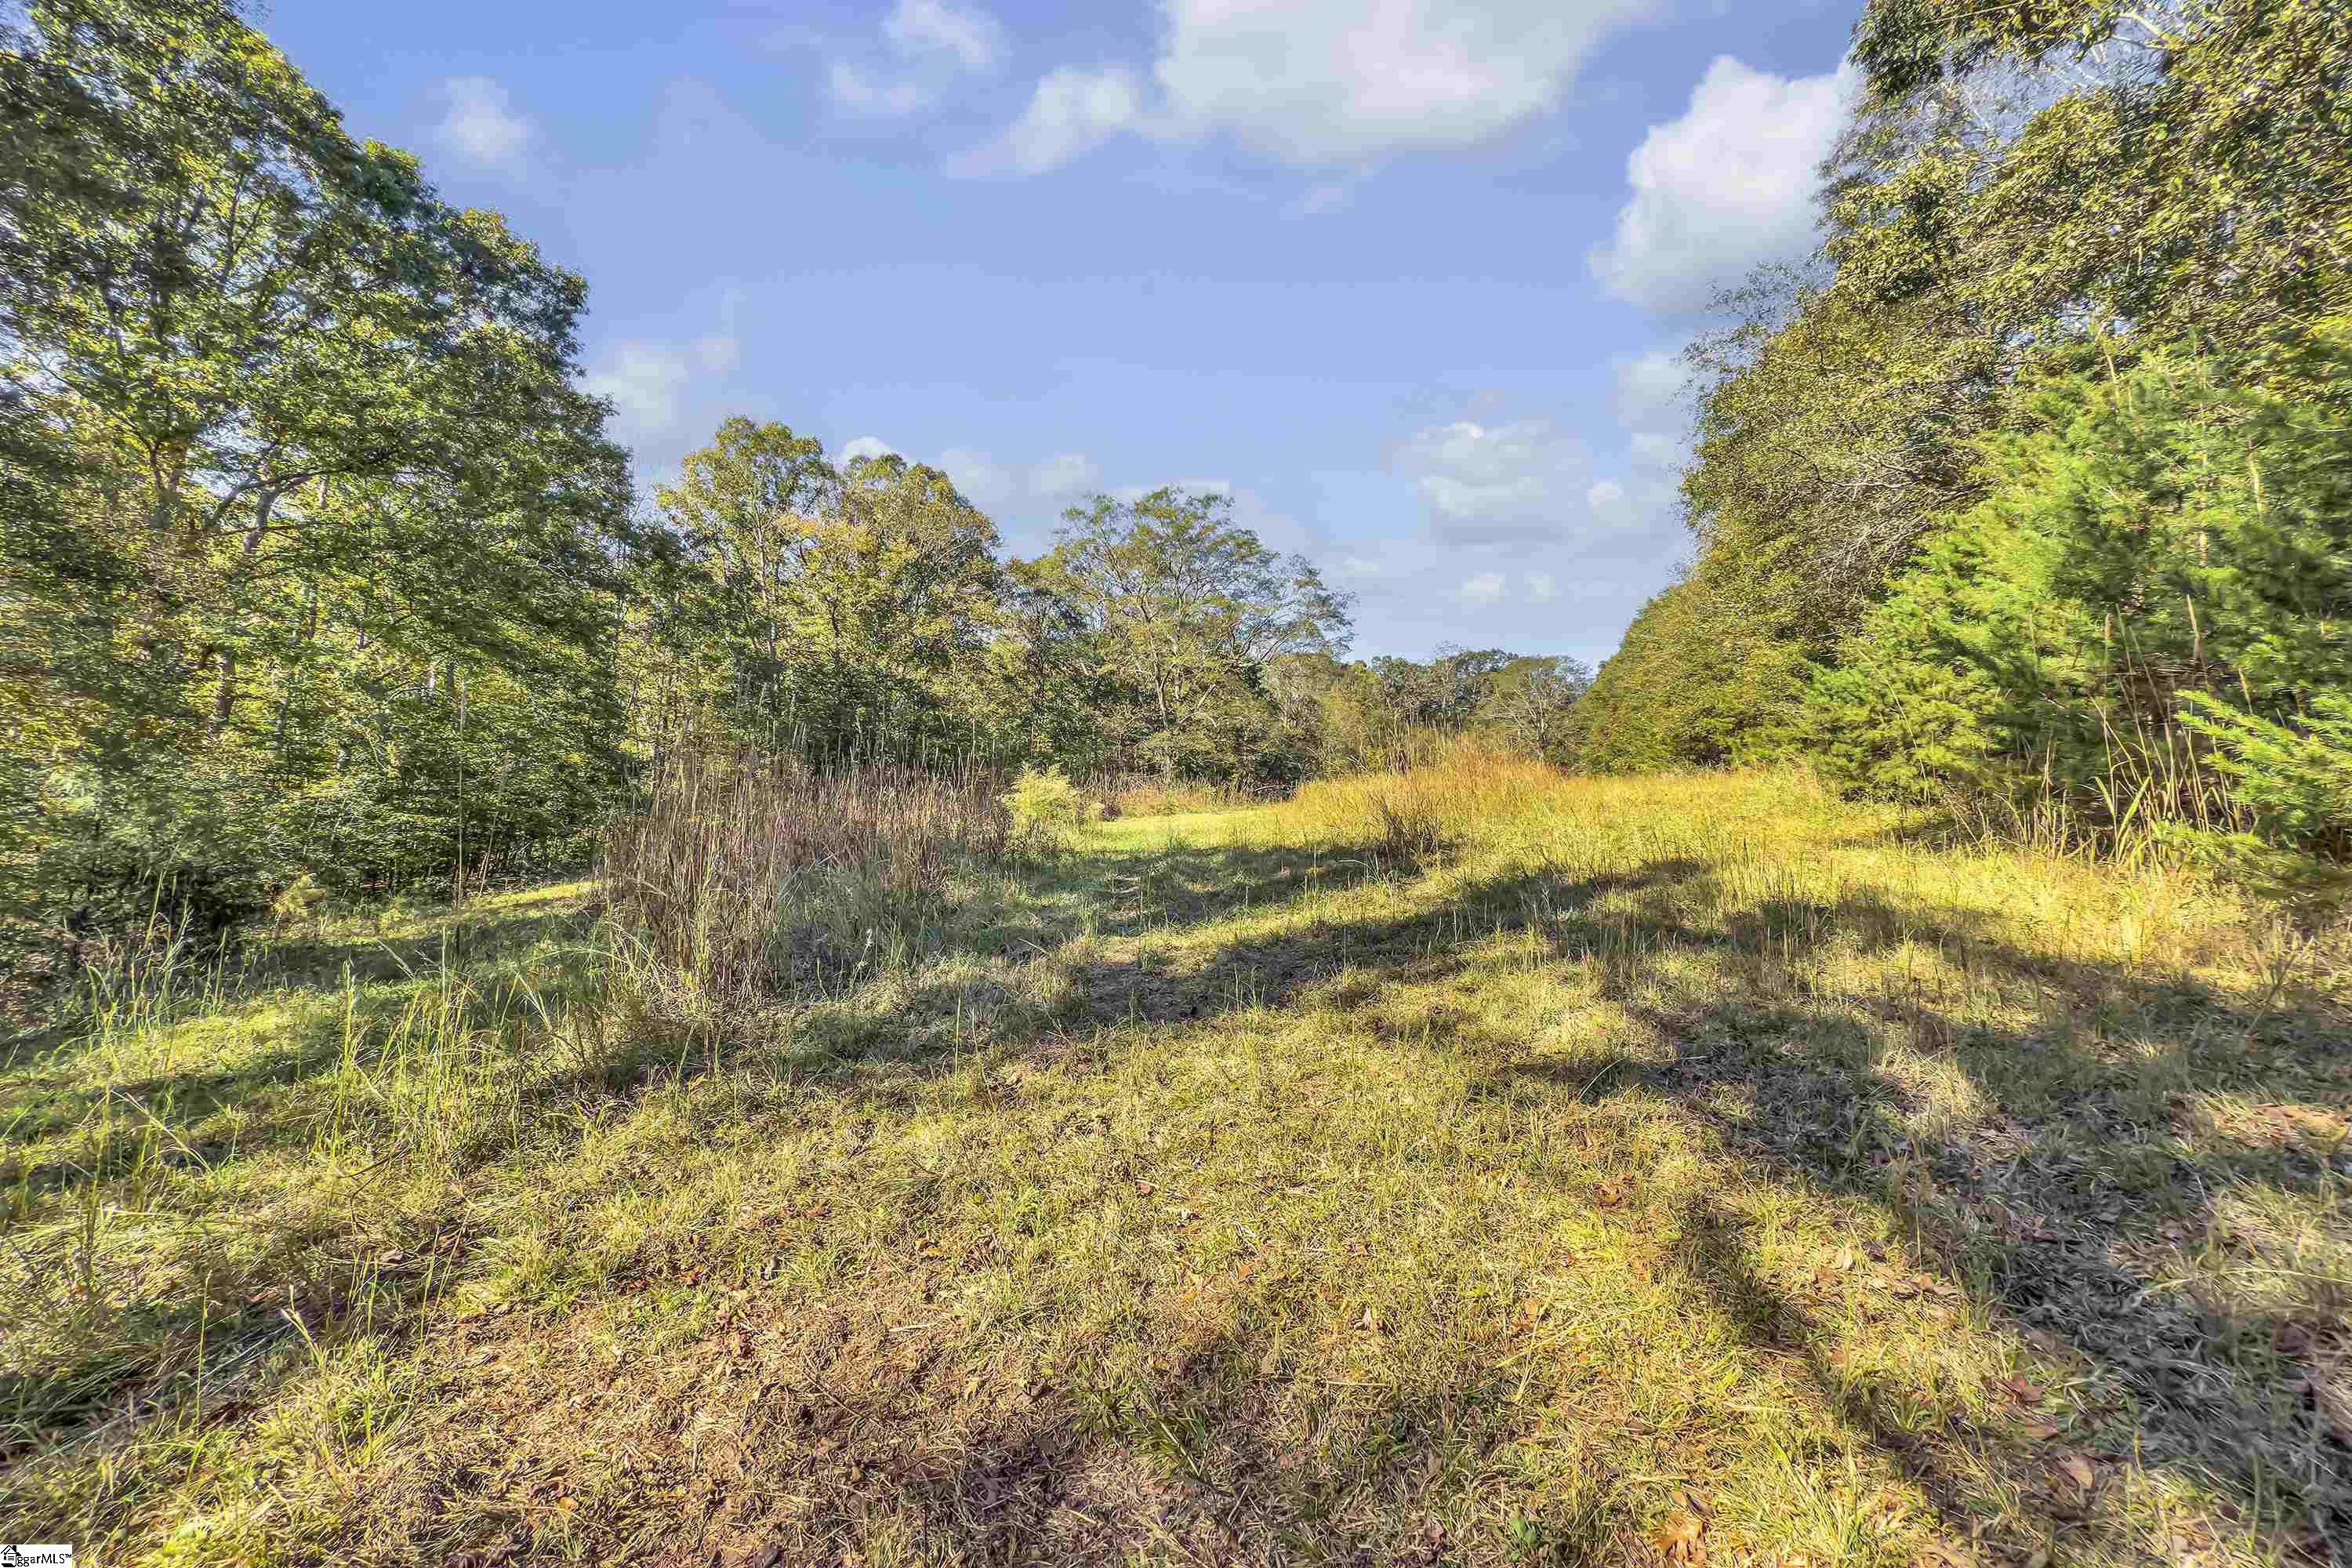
(1469,1167)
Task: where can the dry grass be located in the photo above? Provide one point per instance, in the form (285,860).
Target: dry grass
(738,880)
(1463,789)
(1142,795)
(1655,1172)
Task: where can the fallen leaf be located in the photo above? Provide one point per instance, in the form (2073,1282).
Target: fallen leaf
(1269,1363)
(1370,1323)
(1845,1261)
(2024,1392)
(1679,1540)
(568,1504)
(2079,1471)
(1241,1274)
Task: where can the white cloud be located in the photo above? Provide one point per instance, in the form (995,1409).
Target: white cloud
(481,124)
(1072,112)
(1486,482)
(1007,490)
(650,385)
(1541,588)
(972,37)
(1728,184)
(1319,82)
(1483,589)
(867,446)
(1609,503)
(1652,450)
(1651,404)
(931,41)
(1064,474)
(861,93)
(1648,388)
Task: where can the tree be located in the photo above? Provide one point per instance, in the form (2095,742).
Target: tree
(2163,561)
(844,612)
(286,438)
(1188,611)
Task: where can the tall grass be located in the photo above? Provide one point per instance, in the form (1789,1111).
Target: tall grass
(1143,795)
(739,879)
(1464,787)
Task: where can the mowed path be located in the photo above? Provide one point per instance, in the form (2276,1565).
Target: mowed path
(1693,1171)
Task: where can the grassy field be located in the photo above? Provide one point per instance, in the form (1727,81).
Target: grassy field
(1477,1169)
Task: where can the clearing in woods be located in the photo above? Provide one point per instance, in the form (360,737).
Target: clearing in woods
(1687,1170)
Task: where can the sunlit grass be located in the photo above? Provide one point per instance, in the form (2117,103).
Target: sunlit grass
(1593,1172)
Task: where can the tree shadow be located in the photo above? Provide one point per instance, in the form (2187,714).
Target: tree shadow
(2021,1203)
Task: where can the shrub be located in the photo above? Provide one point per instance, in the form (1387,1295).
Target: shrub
(1045,808)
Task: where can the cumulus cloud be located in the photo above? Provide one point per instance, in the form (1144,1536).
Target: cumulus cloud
(1651,404)
(1013,489)
(1064,474)
(1073,111)
(867,446)
(1653,450)
(650,386)
(1320,82)
(969,35)
(928,43)
(863,93)
(481,125)
(1605,498)
(1488,482)
(1484,588)
(1728,184)
(1649,386)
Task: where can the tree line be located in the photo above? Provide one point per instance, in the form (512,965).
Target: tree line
(321,570)
(2035,481)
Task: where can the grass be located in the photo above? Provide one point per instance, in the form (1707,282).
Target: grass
(1142,795)
(1665,1171)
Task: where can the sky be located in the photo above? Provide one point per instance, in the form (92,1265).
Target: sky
(1404,279)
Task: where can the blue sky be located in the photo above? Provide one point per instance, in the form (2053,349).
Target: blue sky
(1403,277)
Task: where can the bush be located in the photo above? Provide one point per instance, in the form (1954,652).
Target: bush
(1045,808)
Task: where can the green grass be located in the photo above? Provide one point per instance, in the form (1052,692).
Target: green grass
(1635,1171)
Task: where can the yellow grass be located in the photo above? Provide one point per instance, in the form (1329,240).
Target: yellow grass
(1595,1171)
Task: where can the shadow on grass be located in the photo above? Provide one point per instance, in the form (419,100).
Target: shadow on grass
(2080,1163)
(2014,1206)
(2040,1205)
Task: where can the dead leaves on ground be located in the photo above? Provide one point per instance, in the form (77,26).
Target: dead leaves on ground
(1682,1538)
